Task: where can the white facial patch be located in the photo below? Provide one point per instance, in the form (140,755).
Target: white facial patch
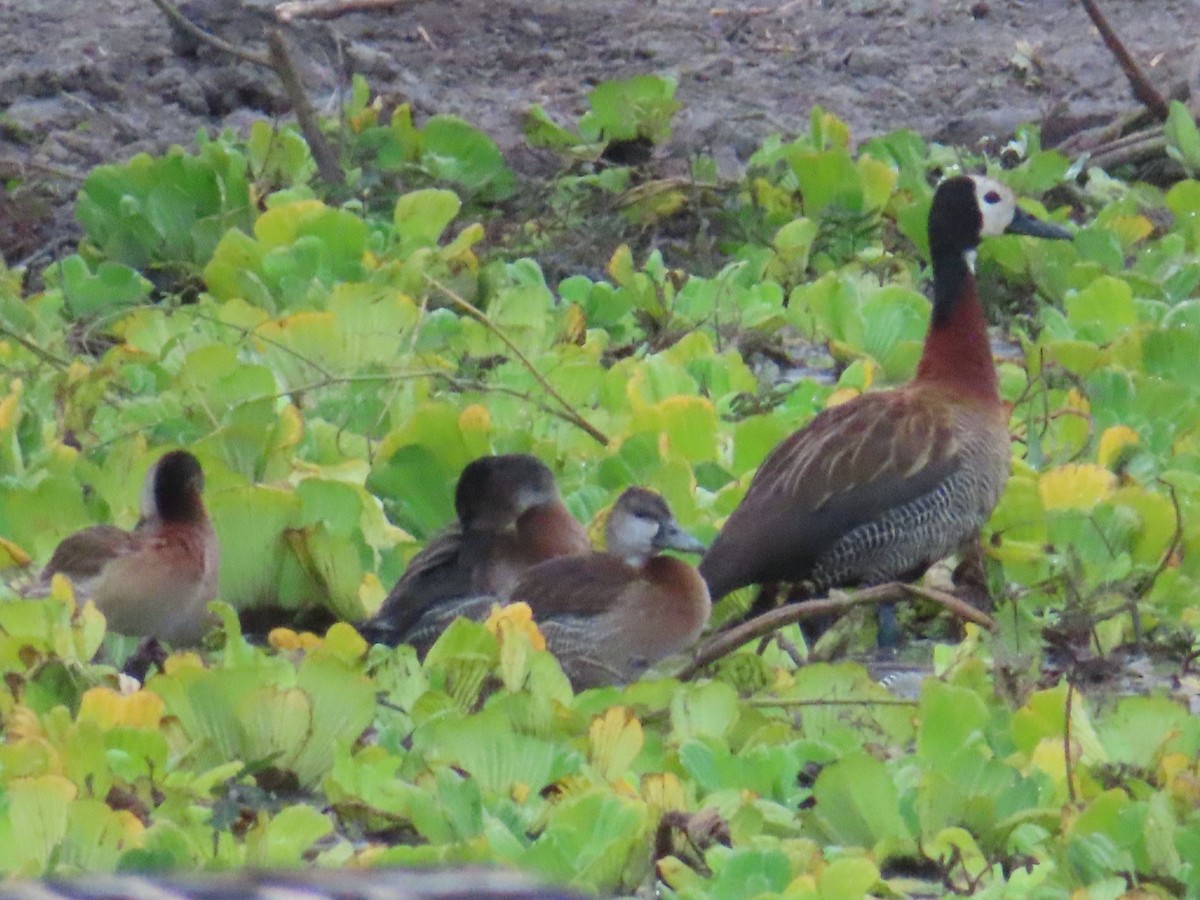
(147,505)
(997,205)
(632,538)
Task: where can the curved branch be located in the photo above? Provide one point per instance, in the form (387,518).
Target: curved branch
(726,643)
(569,411)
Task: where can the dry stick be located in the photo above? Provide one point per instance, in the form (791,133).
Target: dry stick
(183,23)
(1147,146)
(36,349)
(958,607)
(1143,90)
(727,642)
(1070,765)
(278,60)
(329,167)
(480,316)
(328,9)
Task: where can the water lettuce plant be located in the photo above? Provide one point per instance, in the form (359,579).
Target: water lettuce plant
(334,362)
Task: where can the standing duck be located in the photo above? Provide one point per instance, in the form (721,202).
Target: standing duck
(510,517)
(881,487)
(156,580)
(608,616)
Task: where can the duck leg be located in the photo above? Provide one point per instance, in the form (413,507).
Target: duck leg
(970,577)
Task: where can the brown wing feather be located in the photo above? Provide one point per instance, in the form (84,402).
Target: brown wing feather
(849,465)
(82,555)
(440,571)
(583,585)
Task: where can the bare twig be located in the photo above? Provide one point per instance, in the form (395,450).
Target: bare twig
(1131,149)
(569,411)
(726,642)
(329,167)
(1070,764)
(328,9)
(789,702)
(1143,90)
(40,352)
(279,60)
(183,23)
(952,604)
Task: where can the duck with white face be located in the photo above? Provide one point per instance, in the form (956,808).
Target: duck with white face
(510,517)
(880,487)
(608,615)
(156,580)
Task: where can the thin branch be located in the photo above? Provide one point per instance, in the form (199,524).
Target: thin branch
(952,604)
(328,9)
(186,25)
(254,334)
(1070,765)
(329,167)
(279,60)
(726,642)
(788,703)
(40,352)
(569,411)
(1143,90)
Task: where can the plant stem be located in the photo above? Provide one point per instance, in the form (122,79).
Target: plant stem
(569,411)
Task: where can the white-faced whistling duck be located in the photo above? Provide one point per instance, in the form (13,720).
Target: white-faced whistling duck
(881,487)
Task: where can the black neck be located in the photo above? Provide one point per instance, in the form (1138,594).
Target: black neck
(950,274)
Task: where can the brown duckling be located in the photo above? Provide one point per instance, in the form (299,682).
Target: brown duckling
(510,517)
(609,616)
(157,579)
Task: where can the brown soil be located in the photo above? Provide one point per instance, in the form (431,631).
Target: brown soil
(94,82)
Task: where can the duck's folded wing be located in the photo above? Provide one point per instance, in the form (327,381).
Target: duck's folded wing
(437,573)
(586,585)
(84,554)
(850,465)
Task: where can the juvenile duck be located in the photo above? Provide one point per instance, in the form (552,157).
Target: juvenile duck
(157,579)
(609,616)
(510,517)
(879,488)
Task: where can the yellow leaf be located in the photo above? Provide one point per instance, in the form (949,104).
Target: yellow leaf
(62,590)
(108,709)
(10,408)
(515,618)
(663,791)
(22,724)
(1112,442)
(840,396)
(283,639)
(182,662)
(371,593)
(574,324)
(474,418)
(10,553)
(620,266)
(1131,229)
(1078,402)
(615,740)
(1076,486)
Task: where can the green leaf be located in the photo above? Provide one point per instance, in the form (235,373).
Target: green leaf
(1183,138)
(858,804)
(1103,310)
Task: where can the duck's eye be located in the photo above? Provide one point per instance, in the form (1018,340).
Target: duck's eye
(992,197)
